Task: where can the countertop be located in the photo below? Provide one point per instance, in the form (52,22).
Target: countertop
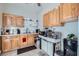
(50,39)
(18,34)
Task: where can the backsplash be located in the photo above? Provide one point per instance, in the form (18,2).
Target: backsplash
(68,28)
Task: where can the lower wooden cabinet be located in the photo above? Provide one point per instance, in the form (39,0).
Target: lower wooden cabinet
(6,44)
(15,42)
(10,43)
(23,41)
(30,39)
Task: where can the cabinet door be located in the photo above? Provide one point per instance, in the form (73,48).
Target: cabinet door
(51,17)
(61,12)
(23,41)
(58,22)
(13,23)
(75,9)
(6,44)
(67,11)
(6,20)
(14,42)
(20,21)
(54,17)
(44,45)
(31,40)
(46,20)
(50,48)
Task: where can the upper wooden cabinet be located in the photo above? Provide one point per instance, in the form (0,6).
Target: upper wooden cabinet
(61,12)
(69,12)
(51,15)
(65,12)
(7,19)
(20,21)
(75,9)
(56,18)
(46,20)
(12,20)
(52,18)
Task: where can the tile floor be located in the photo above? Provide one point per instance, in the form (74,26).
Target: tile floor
(35,52)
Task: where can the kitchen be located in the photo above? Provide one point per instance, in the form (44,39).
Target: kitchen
(53,22)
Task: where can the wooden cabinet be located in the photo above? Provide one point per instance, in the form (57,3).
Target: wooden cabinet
(69,12)
(51,15)
(46,20)
(6,44)
(61,12)
(75,9)
(20,21)
(57,21)
(56,17)
(31,40)
(23,41)
(6,21)
(27,40)
(9,43)
(12,20)
(15,42)
(52,18)
(66,11)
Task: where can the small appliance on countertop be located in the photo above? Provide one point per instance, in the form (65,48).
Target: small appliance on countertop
(18,31)
(6,32)
(51,34)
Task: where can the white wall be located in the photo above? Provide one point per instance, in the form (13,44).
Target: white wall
(1,10)
(28,10)
(45,7)
(68,28)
